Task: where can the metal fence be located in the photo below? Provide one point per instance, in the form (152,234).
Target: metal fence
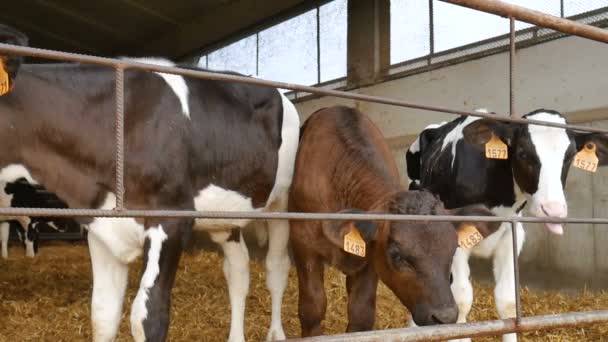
(448,331)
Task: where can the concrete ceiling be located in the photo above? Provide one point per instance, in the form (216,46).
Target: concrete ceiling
(142,27)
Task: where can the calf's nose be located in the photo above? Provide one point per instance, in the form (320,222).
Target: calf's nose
(445,315)
(554,209)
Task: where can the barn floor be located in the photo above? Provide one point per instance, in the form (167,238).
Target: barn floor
(47,299)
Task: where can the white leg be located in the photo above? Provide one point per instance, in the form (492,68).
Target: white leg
(4,230)
(504,292)
(139,311)
(277,272)
(109,285)
(461,286)
(24,221)
(236,271)
(29,247)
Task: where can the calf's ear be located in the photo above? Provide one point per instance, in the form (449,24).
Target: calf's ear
(600,141)
(335,231)
(484,228)
(480,131)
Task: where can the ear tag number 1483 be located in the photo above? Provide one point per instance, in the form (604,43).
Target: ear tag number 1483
(468,236)
(354,243)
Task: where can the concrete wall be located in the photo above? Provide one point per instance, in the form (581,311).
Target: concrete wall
(568,75)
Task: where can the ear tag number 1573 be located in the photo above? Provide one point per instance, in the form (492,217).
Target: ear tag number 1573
(586,159)
(496,149)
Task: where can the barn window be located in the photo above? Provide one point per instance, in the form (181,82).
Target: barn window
(238,56)
(307,49)
(574,7)
(428,32)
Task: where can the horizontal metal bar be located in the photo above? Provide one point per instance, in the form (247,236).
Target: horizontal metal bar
(475,329)
(45,212)
(129,64)
(535,18)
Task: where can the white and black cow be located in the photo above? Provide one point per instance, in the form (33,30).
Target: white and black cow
(23,194)
(190,144)
(449,160)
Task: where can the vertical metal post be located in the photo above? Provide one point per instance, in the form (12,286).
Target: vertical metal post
(516,273)
(431,32)
(511,66)
(120,136)
(318,46)
(561,8)
(257,54)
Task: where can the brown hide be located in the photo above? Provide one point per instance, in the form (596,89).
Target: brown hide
(344,164)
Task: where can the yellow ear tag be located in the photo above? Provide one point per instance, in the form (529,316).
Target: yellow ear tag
(468,236)
(496,149)
(4,80)
(354,243)
(586,158)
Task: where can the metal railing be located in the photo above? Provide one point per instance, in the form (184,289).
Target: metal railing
(483,328)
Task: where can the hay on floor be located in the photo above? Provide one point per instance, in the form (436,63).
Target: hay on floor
(47,299)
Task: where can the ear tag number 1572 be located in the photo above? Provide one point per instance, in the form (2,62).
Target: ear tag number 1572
(4,80)
(496,149)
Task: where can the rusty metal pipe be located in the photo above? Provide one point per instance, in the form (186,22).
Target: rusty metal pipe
(533,17)
(46,212)
(120,137)
(110,62)
(475,329)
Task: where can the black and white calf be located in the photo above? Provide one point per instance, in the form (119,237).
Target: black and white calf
(23,194)
(189,143)
(449,160)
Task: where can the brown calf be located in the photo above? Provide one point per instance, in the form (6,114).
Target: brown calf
(343,164)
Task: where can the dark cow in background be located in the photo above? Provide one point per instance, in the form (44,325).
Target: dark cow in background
(23,194)
(190,144)
(344,164)
(449,160)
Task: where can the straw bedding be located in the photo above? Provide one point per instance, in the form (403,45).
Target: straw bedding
(47,299)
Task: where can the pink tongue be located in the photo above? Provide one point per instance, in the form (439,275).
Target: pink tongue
(555,228)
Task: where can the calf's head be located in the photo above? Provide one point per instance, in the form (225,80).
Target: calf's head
(413,258)
(540,158)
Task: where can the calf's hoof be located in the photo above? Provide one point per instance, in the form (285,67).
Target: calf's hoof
(275,334)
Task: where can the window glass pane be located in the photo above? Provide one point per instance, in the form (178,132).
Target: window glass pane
(332,17)
(409,29)
(288,51)
(457,26)
(202,62)
(238,56)
(573,7)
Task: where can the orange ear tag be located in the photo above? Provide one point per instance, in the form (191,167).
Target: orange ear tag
(496,149)
(4,80)
(354,243)
(468,236)
(586,158)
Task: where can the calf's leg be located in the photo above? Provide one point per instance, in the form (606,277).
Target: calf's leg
(504,292)
(236,271)
(462,290)
(361,289)
(312,301)
(109,285)
(151,308)
(277,272)
(4,231)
